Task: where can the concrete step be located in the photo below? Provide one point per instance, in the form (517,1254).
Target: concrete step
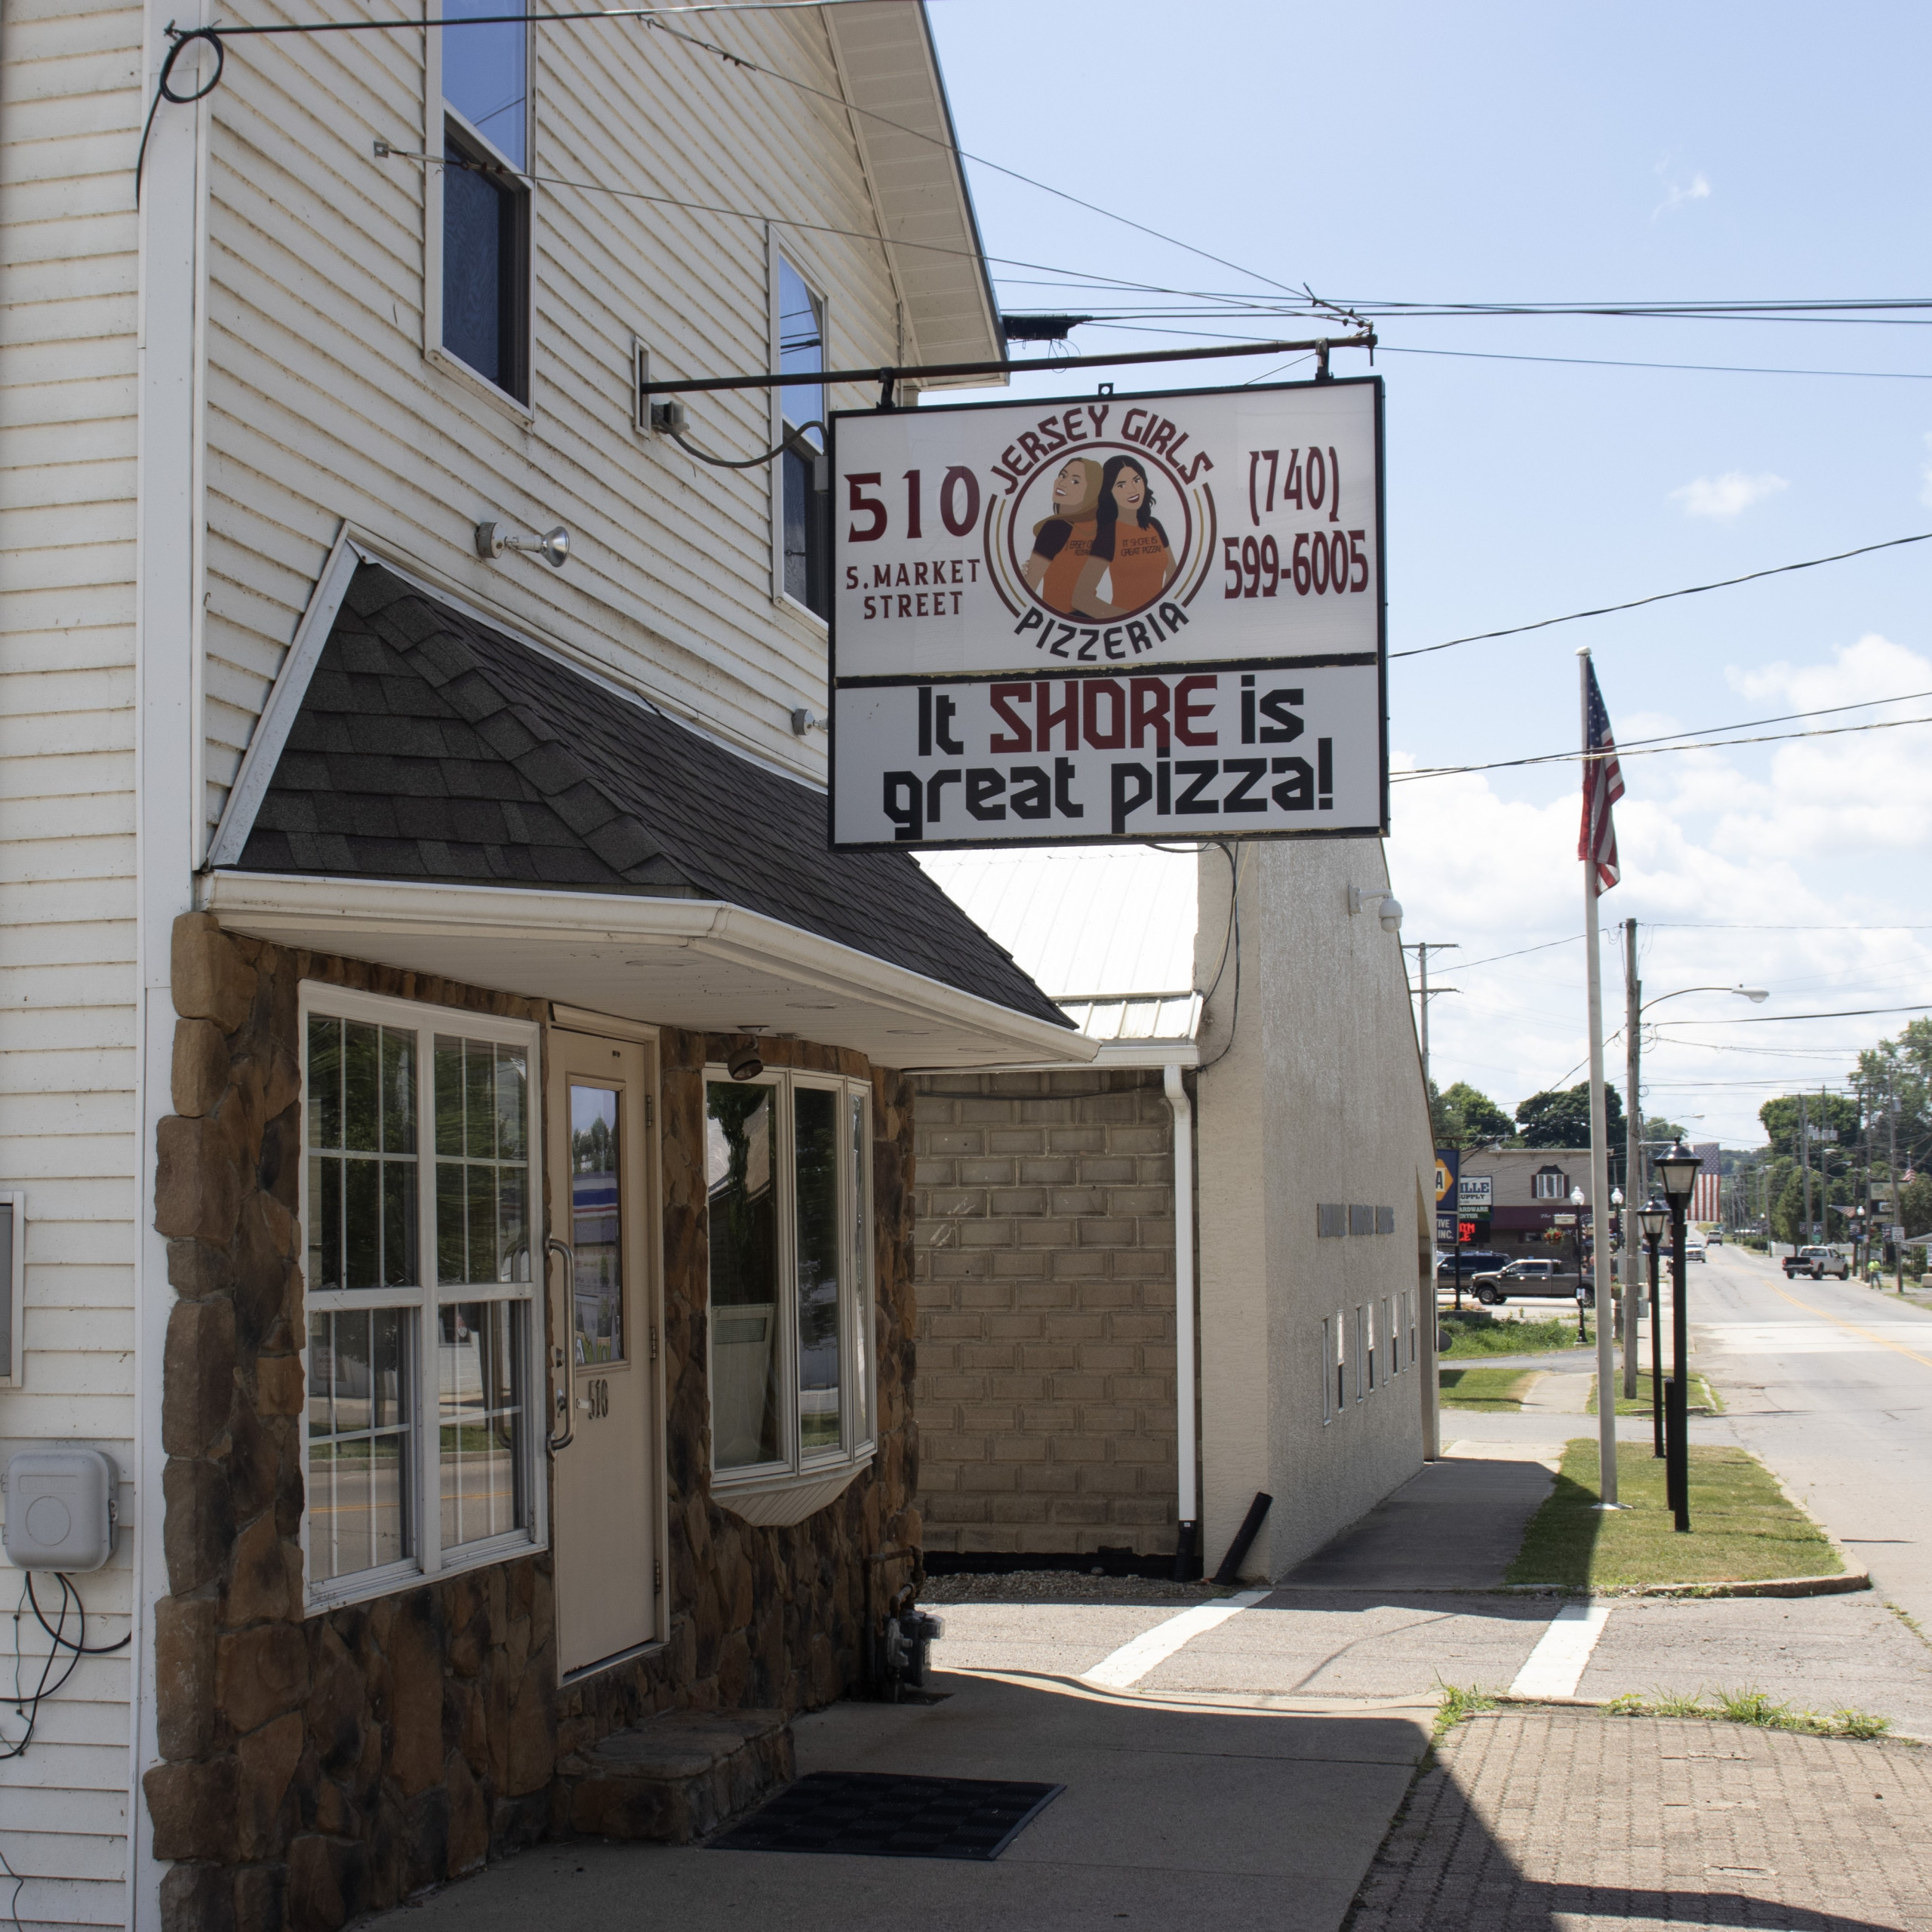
(678,1776)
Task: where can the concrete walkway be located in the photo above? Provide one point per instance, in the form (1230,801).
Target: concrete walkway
(1173,1814)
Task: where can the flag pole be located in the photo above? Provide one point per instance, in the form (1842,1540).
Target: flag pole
(1600,1218)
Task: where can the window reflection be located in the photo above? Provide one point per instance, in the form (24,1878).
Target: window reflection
(815,1116)
(596,1233)
(743,1224)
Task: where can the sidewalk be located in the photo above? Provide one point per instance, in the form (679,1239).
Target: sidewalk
(1532,1820)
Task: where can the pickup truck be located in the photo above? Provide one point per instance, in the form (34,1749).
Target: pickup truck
(1815,1264)
(1538,1278)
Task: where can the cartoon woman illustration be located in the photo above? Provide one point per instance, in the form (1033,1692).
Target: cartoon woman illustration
(1128,543)
(1061,541)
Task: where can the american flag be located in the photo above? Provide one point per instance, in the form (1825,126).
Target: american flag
(1603,786)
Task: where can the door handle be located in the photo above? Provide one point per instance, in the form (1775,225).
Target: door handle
(566,1396)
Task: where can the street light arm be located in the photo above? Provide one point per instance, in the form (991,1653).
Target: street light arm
(1757,996)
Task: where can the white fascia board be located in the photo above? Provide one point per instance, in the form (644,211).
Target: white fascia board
(358,914)
(1128,1055)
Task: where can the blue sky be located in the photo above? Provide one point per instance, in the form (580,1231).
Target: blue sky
(1484,153)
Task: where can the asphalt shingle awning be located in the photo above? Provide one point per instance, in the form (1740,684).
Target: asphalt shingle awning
(428,748)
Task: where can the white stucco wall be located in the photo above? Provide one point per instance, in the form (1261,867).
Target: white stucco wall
(1319,1098)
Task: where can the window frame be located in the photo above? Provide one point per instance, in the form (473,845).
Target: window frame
(438,115)
(426,1299)
(858,1433)
(776,253)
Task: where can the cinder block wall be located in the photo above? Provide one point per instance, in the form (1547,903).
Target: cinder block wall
(1044,1267)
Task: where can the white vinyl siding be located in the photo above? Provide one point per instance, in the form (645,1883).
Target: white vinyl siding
(69,114)
(321,406)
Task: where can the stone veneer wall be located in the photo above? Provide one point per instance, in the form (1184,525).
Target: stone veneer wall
(1044,1256)
(319,1766)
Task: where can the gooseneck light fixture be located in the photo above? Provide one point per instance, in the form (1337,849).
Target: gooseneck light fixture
(1652,1218)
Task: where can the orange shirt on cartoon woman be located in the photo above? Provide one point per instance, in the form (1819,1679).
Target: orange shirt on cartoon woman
(1129,547)
(1063,542)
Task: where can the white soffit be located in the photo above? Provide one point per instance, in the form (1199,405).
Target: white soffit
(885,50)
(674,962)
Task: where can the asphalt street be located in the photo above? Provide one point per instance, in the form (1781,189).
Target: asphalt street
(1830,1384)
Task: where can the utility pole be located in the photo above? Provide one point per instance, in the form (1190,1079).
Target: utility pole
(1805,1160)
(1425,993)
(1897,1211)
(1635,1193)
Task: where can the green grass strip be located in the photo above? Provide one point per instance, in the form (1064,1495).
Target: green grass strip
(1500,1390)
(1704,1400)
(1476,1332)
(1743,1528)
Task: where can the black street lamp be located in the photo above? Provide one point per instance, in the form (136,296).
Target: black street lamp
(1677,1174)
(1651,1219)
(1576,1200)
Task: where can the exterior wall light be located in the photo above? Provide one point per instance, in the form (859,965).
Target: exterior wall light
(1362,898)
(553,547)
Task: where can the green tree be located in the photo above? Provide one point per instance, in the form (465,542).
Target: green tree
(1788,1212)
(1915,1205)
(1837,1111)
(1562,1119)
(1657,1128)
(1465,1118)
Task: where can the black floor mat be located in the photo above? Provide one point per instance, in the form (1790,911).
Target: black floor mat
(870,1815)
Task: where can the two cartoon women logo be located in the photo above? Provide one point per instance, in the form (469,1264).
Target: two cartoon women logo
(1103,555)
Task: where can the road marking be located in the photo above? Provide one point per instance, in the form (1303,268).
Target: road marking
(1924,1362)
(1132,1662)
(1555,1667)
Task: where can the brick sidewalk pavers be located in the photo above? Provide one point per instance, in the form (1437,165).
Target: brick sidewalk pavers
(1569,1821)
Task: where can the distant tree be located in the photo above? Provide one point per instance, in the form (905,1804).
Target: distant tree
(1833,1111)
(1915,1205)
(1788,1212)
(1656,1127)
(1554,1119)
(1465,1118)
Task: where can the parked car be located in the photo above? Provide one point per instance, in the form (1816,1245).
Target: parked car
(1815,1264)
(1532,1280)
(1470,1262)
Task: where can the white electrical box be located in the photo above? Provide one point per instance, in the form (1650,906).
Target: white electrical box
(60,1508)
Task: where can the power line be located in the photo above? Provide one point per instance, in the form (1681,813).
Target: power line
(1778,1019)
(1708,368)
(1653,751)
(1704,926)
(1664,596)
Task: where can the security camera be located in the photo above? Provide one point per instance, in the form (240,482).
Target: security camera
(1392,916)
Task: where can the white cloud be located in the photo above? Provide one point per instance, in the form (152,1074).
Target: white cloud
(1739,865)
(1676,194)
(1729,495)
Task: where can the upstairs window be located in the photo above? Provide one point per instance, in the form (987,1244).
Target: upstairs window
(486,209)
(804,522)
(1549,1184)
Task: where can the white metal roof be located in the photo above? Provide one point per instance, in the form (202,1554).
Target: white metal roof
(1108,931)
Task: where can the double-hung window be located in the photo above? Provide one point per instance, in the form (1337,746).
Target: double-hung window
(1549,1184)
(484,129)
(804,520)
(788,1175)
(419,1213)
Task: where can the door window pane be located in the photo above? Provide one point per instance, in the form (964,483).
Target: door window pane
(743,1218)
(815,1137)
(362,1167)
(480,1407)
(596,1230)
(358,1442)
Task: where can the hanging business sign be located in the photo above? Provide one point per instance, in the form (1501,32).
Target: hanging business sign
(1115,619)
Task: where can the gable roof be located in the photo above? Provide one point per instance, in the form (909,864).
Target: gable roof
(889,68)
(428,747)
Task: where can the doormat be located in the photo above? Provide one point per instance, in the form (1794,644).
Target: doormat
(869,1814)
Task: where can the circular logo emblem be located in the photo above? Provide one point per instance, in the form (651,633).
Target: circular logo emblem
(1100,535)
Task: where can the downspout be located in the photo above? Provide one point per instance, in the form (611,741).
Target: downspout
(1187,1547)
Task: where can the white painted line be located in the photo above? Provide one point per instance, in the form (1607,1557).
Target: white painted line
(1555,1667)
(1132,1662)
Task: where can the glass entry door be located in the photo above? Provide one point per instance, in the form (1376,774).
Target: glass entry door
(603,1315)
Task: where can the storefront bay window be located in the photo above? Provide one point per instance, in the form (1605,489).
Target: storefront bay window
(418,1128)
(789,1159)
